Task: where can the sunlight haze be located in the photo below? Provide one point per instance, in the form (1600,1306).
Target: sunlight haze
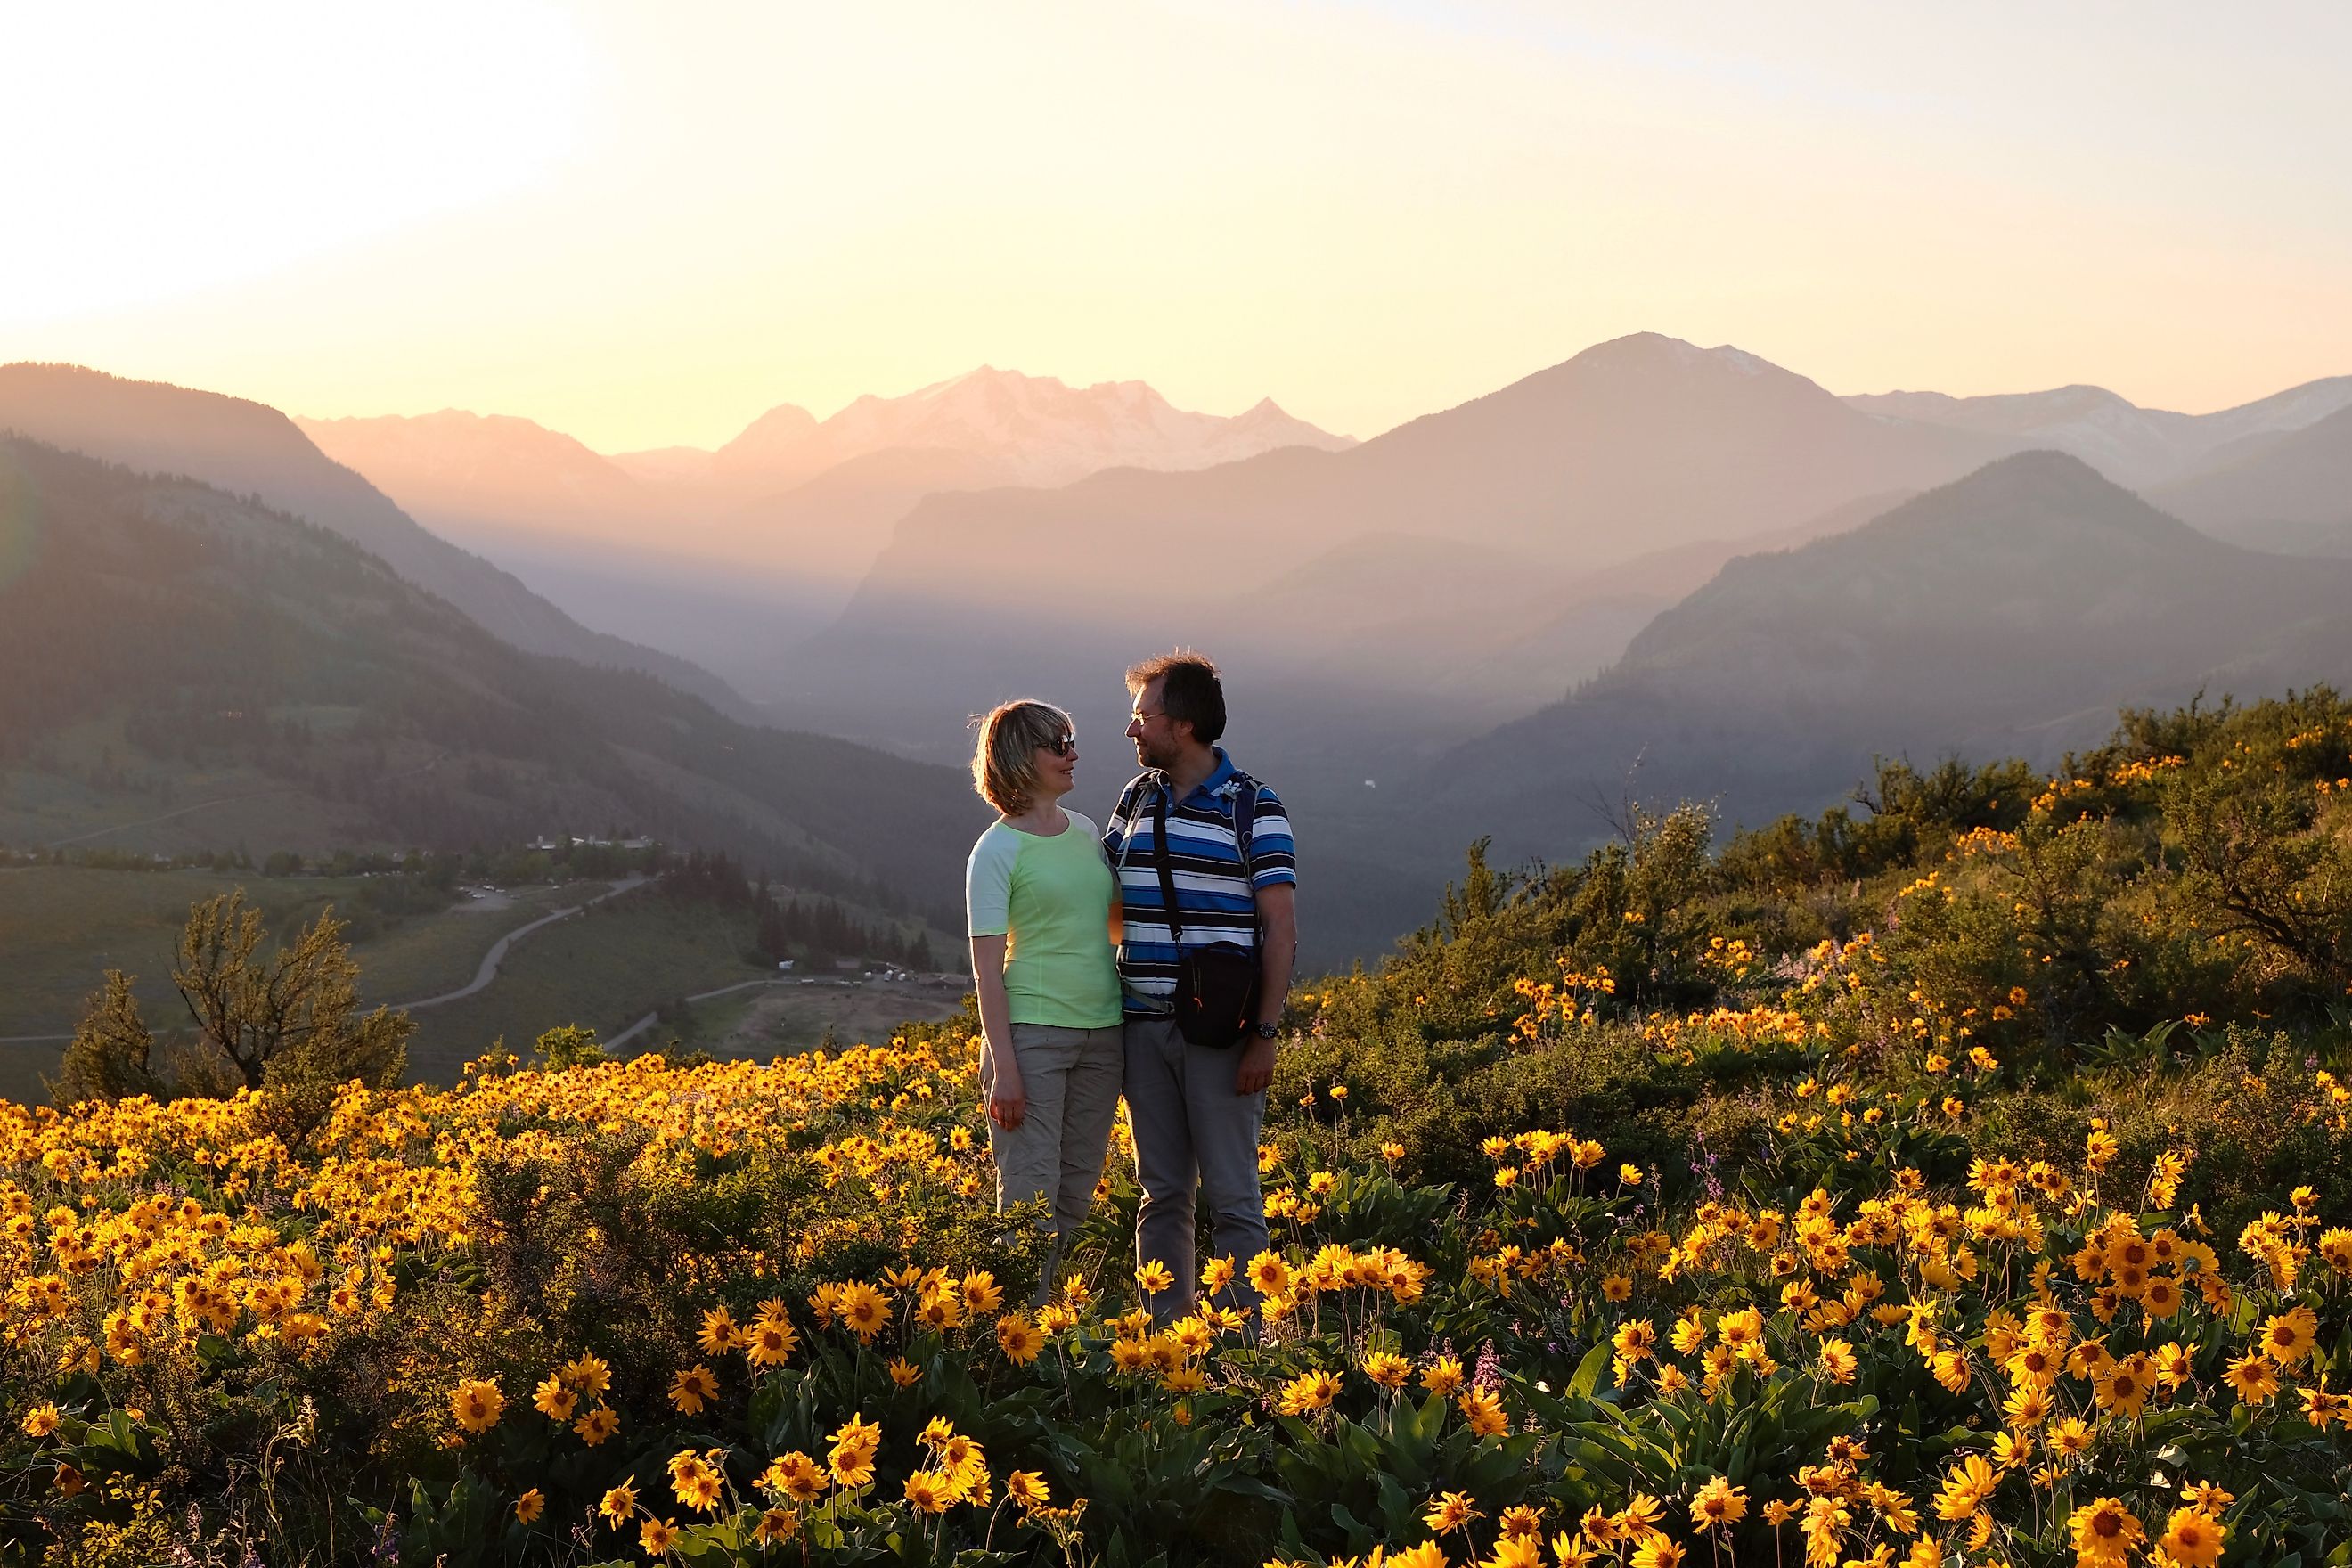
(644,227)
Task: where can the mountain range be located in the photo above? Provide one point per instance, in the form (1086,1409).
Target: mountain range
(1497,517)
(250,449)
(193,661)
(729,557)
(2135,447)
(1471,565)
(1032,429)
(2010,613)
(1653,569)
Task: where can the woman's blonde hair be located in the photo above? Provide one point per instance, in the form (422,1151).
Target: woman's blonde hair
(1005,764)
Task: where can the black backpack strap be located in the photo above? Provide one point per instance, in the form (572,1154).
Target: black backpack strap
(1246,824)
(1244,830)
(1129,799)
(1167,871)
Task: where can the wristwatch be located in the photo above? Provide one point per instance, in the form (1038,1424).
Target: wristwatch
(1267,1031)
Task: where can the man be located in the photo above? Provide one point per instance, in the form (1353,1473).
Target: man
(1197,1110)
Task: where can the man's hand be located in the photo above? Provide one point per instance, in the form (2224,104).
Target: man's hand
(1277,914)
(1008,1104)
(1255,1070)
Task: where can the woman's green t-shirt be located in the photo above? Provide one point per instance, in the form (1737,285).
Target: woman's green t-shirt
(1051,898)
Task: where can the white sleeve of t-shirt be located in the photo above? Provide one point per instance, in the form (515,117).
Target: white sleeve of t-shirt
(988,881)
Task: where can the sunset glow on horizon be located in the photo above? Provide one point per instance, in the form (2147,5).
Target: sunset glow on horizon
(644,227)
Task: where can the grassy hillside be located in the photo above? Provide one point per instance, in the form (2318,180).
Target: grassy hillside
(604,969)
(176,647)
(786,1016)
(1960,1184)
(2175,902)
(63,927)
(63,924)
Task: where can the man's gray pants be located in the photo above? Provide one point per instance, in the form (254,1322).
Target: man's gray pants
(1192,1135)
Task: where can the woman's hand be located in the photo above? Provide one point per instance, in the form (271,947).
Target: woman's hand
(1008,1105)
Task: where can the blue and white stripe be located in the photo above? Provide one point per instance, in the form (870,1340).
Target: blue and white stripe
(1215,894)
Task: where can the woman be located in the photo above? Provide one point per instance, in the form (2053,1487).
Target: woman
(1042,903)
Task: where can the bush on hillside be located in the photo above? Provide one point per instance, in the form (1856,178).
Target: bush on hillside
(1980,928)
(291,1019)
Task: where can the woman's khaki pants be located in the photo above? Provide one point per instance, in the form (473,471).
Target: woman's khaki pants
(1071,1078)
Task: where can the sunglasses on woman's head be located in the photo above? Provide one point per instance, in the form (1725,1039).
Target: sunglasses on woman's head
(1063,746)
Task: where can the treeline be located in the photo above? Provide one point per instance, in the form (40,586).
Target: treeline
(805,927)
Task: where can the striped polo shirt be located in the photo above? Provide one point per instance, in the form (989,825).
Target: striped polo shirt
(1215,894)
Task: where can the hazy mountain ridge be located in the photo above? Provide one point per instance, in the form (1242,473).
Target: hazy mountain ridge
(1596,559)
(491,467)
(729,557)
(211,638)
(2133,446)
(1631,451)
(1041,430)
(2290,491)
(250,449)
(1636,447)
(2001,613)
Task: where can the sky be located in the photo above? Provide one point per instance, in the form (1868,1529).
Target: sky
(645,224)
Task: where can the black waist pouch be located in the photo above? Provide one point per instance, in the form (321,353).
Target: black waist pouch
(1216,984)
(1216,994)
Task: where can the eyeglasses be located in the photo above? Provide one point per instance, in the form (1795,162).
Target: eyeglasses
(1063,746)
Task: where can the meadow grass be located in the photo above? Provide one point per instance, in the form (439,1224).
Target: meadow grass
(429,954)
(604,969)
(780,1020)
(62,927)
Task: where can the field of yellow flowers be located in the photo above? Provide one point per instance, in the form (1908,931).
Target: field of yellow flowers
(1970,1183)
(749,1314)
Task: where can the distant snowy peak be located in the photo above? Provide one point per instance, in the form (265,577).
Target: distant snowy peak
(1042,430)
(2131,445)
(781,425)
(2296,408)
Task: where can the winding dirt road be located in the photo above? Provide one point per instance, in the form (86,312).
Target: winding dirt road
(489,970)
(650,1019)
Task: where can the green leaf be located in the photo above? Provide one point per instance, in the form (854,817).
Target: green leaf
(1588,1372)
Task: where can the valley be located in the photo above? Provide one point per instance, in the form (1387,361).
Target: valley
(473,963)
(1650,572)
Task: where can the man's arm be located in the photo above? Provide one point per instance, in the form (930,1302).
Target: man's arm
(1277,914)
